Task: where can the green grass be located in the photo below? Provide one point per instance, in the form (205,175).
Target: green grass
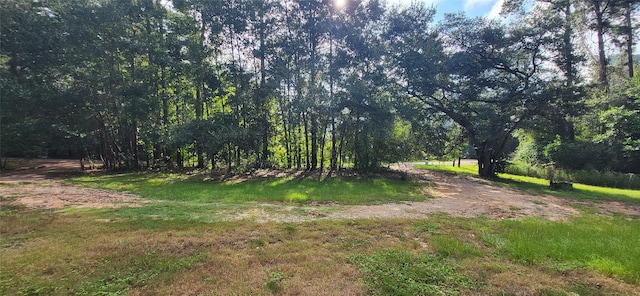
(541,186)
(589,177)
(181,241)
(344,190)
(399,272)
(470,170)
(579,191)
(606,244)
(70,252)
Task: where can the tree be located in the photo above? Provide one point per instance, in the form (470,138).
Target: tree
(483,76)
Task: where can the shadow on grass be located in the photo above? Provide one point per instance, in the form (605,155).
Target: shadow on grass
(180,187)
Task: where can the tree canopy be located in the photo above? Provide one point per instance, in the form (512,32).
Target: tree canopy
(311,84)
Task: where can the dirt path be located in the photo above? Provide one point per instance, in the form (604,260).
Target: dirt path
(462,196)
(40,186)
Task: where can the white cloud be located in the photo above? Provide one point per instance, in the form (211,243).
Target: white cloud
(495,10)
(471,4)
(408,2)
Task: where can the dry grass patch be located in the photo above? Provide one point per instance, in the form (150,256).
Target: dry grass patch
(47,253)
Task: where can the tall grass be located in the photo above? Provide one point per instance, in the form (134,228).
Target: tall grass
(589,177)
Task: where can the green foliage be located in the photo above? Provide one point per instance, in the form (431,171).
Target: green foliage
(527,150)
(400,272)
(274,282)
(605,244)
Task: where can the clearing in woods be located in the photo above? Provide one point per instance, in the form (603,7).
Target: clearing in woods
(39,185)
(61,239)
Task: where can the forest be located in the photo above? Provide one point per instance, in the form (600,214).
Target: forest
(319,84)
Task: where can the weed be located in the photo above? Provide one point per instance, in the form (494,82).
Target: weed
(256,243)
(274,283)
(290,229)
(452,247)
(36,290)
(429,227)
(352,243)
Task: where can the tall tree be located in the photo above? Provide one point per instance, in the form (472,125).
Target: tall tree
(483,76)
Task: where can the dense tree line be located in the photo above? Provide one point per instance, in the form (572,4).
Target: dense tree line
(314,84)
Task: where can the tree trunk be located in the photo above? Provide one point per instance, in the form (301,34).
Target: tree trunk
(602,58)
(486,163)
(629,33)
(306,140)
(322,143)
(314,141)
(199,112)
(334,153)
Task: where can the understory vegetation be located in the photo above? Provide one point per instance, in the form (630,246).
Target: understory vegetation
(237,85)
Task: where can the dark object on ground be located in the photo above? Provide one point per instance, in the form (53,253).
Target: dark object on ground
(561,185)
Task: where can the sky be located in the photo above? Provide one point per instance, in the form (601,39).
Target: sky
(473,8)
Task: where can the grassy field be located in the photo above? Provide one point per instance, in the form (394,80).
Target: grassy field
(177,187)
(541,186)
(178,244)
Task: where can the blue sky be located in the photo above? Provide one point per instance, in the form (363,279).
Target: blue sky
(481,8)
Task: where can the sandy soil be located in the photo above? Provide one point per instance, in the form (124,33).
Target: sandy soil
(40,186)
(463,196)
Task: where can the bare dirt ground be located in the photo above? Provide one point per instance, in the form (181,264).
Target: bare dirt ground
(463,196)
(39,186)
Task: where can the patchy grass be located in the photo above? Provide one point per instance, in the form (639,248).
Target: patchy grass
(74,252)
(344,190)
(181,242)
(400,272)
(541,186)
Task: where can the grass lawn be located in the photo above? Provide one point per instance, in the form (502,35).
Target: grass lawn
(62,253)
(541,186)
(176,187)
(177,244)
